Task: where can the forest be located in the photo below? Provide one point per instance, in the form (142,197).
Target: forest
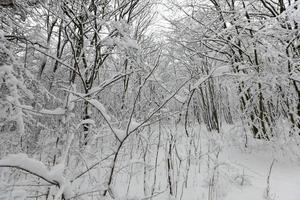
(149,99)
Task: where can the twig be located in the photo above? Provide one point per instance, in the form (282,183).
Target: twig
(267,194)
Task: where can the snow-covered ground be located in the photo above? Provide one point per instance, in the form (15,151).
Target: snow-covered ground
(221,168)
(284,178)
(247,170)
(242,173)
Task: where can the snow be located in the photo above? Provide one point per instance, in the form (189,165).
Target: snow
(295,14)
(180,98)
(253,164)
(295,77)
(228,24)
(240,173)
(120,133)
(131,43)
(147,146)
(56,111)
(284,180)
(86,121)
(133,125)
(35,167)
(57,171)
(200,81)
(10,81)
(100,107)
(22,161)
(221,70)
(218,71)
(17,194)
(102,85)
(71,102)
